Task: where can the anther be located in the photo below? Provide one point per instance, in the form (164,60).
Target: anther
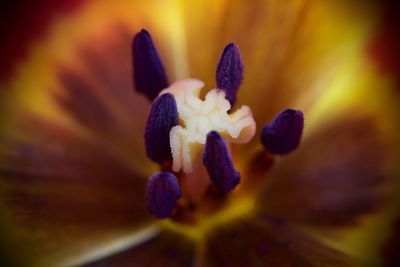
(229,73)
(148,71)
(163,116)
(162,193)
(283,134)
(218,161)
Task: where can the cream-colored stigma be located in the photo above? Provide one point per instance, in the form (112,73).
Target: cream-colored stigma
(199,117)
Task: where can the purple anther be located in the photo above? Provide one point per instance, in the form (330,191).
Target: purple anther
(283,134)
(229,74)
(162,192)
(218,161)
(163,116)
(148,71)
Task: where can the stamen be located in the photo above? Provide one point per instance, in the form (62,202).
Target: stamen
(163,116)
(162,192)
(199,117)
(284,133)
(218,161)
(148,71)
(229,73)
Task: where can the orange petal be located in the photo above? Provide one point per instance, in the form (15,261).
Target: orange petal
(291,50)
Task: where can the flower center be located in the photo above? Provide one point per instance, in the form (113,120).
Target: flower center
(199,117)
(180,125)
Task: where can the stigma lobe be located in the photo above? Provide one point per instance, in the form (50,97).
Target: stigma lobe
(229,73)
(219,164)
(284,133)
(163,116)
(162,193)
(148,71)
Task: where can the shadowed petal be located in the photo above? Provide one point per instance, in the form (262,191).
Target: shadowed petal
(246,243)
(82,103)
(96,93)
(64,195)
(390,250)
(334,177)
(167,249)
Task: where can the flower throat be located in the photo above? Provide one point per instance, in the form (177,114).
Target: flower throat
(182,130)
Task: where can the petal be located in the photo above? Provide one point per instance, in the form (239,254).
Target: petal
(72,152)
(97,94)
(390,250)
(336,176)
(83,71)
(291,50)
(63,196)
(247,242)
(167,249)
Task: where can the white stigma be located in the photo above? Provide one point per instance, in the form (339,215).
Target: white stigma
(199,117)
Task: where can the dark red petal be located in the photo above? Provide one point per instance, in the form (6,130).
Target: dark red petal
(334,178)
(390,251)
(247,243)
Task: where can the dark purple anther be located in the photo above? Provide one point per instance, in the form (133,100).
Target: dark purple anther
(284,133)
(148,71)
(162,192)
(229,74)
(218,161)
(163,116)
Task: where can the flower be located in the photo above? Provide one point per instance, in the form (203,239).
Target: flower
(73,163)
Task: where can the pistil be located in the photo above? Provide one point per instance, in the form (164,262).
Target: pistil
(200,117)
